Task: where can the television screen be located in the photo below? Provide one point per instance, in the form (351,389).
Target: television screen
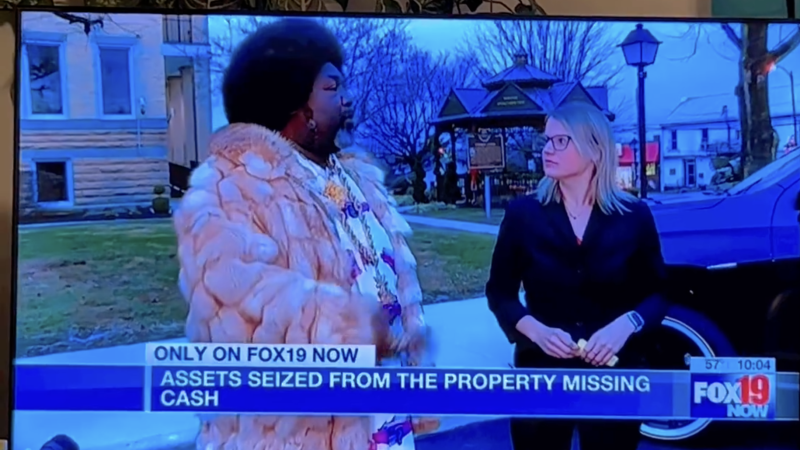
(385,233)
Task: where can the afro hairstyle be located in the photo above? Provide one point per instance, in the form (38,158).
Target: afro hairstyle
(272,72)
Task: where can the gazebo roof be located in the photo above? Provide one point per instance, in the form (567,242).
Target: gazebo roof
(514,101)
(520,73)
(517,93)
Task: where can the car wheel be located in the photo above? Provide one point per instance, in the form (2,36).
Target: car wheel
(685,332)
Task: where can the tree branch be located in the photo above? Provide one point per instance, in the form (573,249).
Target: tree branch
(731,34)
(785,47)
(85,21)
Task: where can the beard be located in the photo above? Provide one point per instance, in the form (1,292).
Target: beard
(345,137)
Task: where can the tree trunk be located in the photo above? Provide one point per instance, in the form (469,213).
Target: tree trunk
(758,135)
(440,182)
(438,171)
(452,193)
(419,182)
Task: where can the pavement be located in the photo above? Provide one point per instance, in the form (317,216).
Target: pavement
(471,227)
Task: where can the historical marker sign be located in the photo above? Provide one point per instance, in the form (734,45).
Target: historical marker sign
(486,150)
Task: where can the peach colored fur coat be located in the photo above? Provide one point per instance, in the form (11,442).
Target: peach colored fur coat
(260,264)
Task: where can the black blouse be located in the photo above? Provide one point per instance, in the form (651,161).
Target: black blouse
(576,285)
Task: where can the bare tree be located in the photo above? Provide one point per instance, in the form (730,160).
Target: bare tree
(412,90)
(757,60)
(572,51)
(367,44)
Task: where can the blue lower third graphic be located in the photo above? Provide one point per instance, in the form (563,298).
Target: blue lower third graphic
(586,393)
(552,393)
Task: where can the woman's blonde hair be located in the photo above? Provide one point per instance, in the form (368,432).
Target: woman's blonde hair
(591,133)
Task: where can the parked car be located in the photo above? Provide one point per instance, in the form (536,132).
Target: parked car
(734,266)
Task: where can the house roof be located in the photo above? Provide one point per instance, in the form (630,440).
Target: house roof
(702,109)
(712,108)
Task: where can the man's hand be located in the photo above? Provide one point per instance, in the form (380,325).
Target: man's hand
(415,338)
(608,341)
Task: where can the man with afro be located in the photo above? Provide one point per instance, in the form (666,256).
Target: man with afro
(285,239)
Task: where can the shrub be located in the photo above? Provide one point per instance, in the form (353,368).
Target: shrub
(161,205)
(433,206)
(404,200)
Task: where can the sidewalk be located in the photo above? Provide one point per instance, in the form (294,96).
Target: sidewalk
(470,227)
(465,332)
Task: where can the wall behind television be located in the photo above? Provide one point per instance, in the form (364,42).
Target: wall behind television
(7,44)
(665,8)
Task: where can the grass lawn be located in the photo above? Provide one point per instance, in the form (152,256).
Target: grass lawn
(106,284)
(464,214)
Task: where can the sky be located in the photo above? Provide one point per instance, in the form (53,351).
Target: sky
(685,65)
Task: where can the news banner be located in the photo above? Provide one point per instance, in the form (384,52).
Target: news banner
(344,380)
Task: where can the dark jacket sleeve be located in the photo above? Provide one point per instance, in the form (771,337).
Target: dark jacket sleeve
(652,271)
(505,275)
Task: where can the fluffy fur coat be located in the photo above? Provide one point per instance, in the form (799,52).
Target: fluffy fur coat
(260,263)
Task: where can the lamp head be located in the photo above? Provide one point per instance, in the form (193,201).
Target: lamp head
(640,47)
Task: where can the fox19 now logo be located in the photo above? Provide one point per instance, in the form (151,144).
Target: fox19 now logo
(733,396)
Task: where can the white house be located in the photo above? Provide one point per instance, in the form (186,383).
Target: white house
(703,128)
(106,115)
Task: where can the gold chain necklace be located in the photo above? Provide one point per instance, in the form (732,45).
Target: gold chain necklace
(338,191)
(350,207)
(574,216)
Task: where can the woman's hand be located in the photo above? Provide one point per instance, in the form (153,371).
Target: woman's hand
(608,341)
(554,342)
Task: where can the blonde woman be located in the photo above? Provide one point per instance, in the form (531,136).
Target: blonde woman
(589,258)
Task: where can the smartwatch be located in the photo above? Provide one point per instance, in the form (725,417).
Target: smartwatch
(636,320)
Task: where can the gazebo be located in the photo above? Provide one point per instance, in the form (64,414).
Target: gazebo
(519,96)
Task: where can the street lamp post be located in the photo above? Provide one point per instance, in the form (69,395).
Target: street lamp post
(635,177)
(794,107)
(640,48)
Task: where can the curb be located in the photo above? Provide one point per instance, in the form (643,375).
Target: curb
(174,441)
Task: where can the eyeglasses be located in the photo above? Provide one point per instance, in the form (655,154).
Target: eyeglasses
(559,142)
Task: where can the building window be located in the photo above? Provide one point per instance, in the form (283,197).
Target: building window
(672,171)
(673,140)
(43,72)
(738,134)
(115,81)
(52,182)
(704,133)
(178,29)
